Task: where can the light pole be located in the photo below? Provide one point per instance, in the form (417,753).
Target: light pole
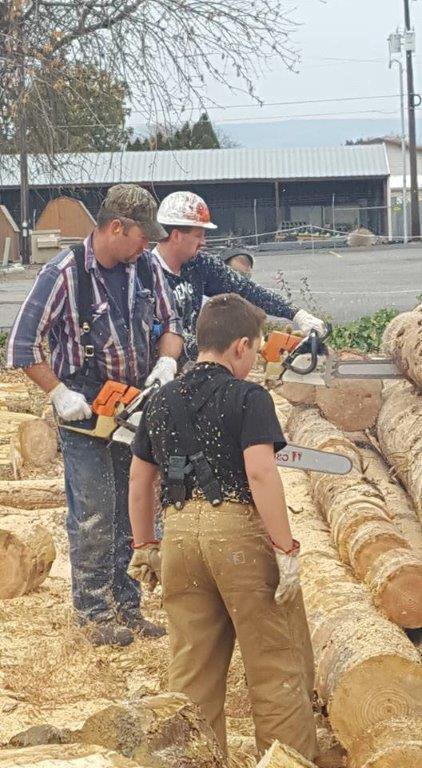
(395,48)
(413,101)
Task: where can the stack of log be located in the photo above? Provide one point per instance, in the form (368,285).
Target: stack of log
(361,523)
(361,555)
(368,674)
(26,548)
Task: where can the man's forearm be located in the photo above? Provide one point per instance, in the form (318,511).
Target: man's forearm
(170,345)
(42,375)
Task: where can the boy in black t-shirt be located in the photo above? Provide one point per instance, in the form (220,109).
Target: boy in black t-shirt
(229,566)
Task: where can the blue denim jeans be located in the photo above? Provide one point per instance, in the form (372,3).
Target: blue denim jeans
(98,527)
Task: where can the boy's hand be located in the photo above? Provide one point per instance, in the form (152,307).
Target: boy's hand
(288,567)
(145,564)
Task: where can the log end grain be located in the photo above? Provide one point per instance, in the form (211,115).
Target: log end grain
(38,442)
(26,557)
(395,580)
(350,405)
(396,743)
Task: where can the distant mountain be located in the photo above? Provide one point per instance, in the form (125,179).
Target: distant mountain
(309,133)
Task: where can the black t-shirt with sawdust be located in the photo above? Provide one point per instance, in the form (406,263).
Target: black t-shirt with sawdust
(237,415)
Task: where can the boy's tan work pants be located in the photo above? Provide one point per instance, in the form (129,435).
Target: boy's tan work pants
(219,577)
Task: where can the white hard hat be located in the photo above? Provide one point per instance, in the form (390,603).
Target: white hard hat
(185,209)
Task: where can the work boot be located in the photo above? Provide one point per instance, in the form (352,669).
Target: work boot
(143,627)
(109,633)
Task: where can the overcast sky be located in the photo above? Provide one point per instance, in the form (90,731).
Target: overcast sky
(343,46)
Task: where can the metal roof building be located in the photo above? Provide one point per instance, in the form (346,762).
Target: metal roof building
(205,165)
(319,185)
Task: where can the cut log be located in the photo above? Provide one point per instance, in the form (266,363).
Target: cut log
(399,432)
(280,756)
(38,442)
(26,555)
(297,394)
(166,731)
(402,341)
(32,494)
(399,505)
(9,423)
(395,581)
(367,671)
(350,405)
(360,525)
(14,396)
(64,756)
(395,744)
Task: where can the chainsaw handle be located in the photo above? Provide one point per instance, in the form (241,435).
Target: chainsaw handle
(288,362)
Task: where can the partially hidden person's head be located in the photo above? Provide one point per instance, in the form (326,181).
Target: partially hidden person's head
(230,330)
(186,218)
(128,220)
(239,259)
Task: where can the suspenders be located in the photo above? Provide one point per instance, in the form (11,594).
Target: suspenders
(189,458)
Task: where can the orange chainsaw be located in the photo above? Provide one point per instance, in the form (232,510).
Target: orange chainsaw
(282,349)
(115,408)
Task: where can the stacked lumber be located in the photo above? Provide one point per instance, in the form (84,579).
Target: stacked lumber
(399,432)
(361,527)
(368,674)
(402,341)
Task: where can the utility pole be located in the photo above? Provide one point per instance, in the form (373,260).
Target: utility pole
(396,48)
(18,51)
(413,100)
(23,166)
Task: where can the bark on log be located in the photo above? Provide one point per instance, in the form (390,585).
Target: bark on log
(26,555)
(280,756)
(166,731)
(399,432)
(38,442)
(399,505)
(402,341)
(32,494)
(367,672)
(64,756)
(360,525)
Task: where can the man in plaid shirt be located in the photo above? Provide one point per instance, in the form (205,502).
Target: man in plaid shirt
(126,315)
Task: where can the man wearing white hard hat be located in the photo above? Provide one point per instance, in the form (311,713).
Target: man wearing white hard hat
(192,274)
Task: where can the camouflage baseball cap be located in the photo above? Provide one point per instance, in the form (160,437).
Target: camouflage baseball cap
(132,202)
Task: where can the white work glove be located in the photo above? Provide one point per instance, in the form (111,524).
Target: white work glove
(288,568)
(305,321)
(69,405)
(145,564)
(163,371)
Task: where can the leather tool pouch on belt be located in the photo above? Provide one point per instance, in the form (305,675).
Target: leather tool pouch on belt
(189,458)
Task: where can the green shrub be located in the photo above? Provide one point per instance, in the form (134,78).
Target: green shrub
(363,334)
